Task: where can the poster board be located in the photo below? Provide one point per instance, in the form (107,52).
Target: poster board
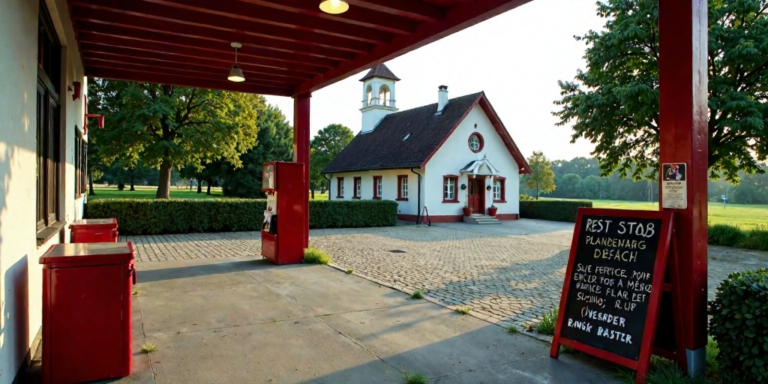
(614,279)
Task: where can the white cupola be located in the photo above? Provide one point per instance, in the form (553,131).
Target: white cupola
(378,96)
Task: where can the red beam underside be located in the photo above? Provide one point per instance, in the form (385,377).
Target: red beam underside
(412,9)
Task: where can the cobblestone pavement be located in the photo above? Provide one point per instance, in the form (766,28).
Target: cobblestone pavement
(507,274)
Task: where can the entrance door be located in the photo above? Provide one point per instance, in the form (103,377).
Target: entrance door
(476,195)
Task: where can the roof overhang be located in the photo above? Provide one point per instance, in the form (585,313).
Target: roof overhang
(289,47)
(481,167)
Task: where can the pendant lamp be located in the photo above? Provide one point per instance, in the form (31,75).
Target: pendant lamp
(236,74)
(334,7)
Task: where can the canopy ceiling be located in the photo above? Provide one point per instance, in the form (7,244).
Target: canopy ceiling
(290,47)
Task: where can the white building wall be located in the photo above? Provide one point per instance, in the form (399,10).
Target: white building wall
(389,187)
(20,272)
(454,154)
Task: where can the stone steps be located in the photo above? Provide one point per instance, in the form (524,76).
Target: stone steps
(481,219)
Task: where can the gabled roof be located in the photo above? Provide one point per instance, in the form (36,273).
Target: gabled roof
(382,71)
(408,139)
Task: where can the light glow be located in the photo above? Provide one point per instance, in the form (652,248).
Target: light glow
(334,7)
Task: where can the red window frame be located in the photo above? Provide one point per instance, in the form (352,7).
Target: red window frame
(482,142)
(400,179)
(356,192)
(376,195)
(339,187)
(455,179)
(503,187)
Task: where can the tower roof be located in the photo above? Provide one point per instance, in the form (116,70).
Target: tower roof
(382,71)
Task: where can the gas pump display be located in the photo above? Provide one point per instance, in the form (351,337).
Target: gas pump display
(281,240)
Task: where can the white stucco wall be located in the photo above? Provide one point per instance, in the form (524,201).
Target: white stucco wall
(454,154)
(20,272)
(389,187)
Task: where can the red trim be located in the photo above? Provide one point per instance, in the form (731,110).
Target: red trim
(508,216)
(357,181)
(339,187)
(503,182)
(400,196)
(376,195)
(455,189)
(482,142)
(433,219)
(450,175)
(482,100)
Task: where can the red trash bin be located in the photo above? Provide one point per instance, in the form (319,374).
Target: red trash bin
(87,311)
(94,231)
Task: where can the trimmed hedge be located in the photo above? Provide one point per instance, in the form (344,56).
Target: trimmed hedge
(740,326)
(556,210)
(148,217)
(732,236)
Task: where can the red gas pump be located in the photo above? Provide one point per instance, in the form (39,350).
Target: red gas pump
(281,231)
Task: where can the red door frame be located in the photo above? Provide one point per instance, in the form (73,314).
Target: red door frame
(477,200)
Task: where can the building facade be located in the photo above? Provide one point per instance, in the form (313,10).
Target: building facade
(444,156)
(42,161)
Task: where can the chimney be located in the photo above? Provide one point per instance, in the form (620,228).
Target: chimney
(442,98)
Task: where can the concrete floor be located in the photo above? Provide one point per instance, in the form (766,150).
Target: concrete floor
(242,320)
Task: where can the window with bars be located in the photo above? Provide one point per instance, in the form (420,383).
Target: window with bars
(377,187)
(449,188)
(340,187)
(402,187)
(358,187)
(498,190)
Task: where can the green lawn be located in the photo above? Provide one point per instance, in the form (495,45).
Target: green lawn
(143,192)
(744,216)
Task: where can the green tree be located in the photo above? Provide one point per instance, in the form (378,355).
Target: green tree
(568,185)
(168,126)
(541,179)
(275,139)
(324,147)
(615,102)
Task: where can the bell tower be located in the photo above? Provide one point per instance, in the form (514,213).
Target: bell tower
(378,96)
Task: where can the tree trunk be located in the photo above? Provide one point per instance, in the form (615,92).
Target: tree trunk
(132,187)
(208,192)
(164,184)
(199,186)
(313,193)
(537,193)
(90,182)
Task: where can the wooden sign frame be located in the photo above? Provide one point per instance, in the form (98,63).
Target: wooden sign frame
(657,284)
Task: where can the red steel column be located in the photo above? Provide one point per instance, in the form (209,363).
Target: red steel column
(684,139)
(301,152)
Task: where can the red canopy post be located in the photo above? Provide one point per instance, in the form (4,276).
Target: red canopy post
(301,152)
(684,139)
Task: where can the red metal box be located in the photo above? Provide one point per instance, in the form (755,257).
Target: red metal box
(87,311)
(94,231)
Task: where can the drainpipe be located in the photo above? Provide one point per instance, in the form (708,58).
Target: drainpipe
(328,179)
(418,199)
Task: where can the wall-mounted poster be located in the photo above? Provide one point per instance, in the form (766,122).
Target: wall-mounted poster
(674,188)
(268,176)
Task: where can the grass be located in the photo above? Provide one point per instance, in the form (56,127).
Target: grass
(350,271)
(148,192)
(463,310)
(512,329)
(663,371)
(417,295)
(415,378)
(744,216)
(548,323)
(316,256)
(148,348)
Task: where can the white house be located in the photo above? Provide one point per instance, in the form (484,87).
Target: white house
(441,156)
(42,169)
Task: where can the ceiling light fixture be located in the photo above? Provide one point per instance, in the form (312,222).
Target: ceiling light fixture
(334,7)
(236,74)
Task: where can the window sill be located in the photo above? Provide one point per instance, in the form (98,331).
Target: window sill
(450,201)
(47,233)
(356,197)
(402,199)
(499,201)
(339,197)
(377,198)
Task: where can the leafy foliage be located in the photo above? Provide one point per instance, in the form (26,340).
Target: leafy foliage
(145,217)
(740,326)
(324,147)
(169,126)
(275,143)
(556,210)
(541,179)
(316,256)
(725,235)
(615,102)
(548,323)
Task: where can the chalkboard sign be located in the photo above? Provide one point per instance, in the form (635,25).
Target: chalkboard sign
(614,278)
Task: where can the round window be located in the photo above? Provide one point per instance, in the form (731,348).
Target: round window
(475,142)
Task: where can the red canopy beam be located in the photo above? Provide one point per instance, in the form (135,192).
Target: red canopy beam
(200,24)
(223,85)
(684,139)
(301,129)
(415,10)
(458,18)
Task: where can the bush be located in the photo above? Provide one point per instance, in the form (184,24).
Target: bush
(556,210)
(524,197)
(145,217)
(120,187)
(316,256)
(739,325)
(725,235)
(756,239)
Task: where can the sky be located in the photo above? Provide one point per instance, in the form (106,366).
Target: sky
(516,58)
